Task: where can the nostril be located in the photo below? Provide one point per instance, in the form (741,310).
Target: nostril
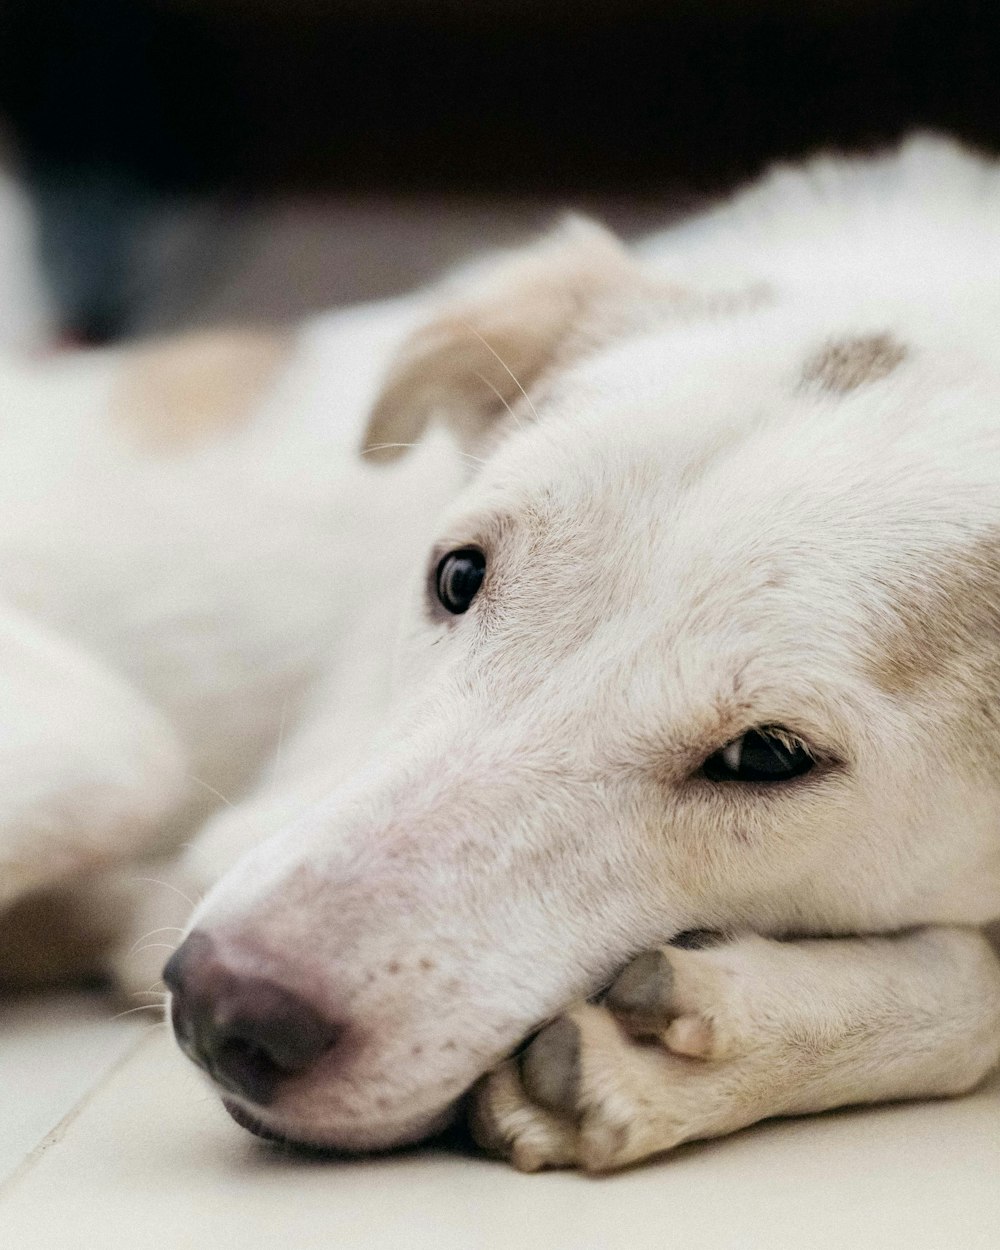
(247,1068)
(274,1037)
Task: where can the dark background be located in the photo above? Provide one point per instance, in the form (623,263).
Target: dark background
(121,111)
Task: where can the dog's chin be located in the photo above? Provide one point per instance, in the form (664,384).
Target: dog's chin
(341,1141)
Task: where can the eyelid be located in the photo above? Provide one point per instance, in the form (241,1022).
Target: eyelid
(818,742)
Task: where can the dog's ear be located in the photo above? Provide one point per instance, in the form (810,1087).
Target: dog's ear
(499,328)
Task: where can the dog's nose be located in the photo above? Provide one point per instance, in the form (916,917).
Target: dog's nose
(247,1032)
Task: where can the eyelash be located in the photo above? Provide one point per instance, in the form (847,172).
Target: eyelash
(823,763)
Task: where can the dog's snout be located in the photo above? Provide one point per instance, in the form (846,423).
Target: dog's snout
(247,1032)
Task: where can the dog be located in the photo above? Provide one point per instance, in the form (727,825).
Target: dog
(600,649)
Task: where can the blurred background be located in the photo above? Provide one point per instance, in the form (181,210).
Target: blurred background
(194,161)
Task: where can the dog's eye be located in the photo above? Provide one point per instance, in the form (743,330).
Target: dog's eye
(459,576)
(759,755)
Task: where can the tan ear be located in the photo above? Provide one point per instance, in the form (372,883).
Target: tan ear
(497,332)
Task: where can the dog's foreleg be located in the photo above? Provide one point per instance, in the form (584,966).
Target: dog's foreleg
(88,769)
(695,1043)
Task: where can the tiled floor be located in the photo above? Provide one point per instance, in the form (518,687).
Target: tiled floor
(52,1052)
(143,1156)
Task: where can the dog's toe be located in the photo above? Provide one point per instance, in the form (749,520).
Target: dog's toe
(550,1067)
(505,1121)
(665,996)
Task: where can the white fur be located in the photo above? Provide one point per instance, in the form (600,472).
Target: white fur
(466,824)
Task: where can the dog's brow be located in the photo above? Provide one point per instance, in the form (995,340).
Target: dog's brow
(487,527)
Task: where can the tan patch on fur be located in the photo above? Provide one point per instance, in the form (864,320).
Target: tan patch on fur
(945,639)
(186,389)
(846,364)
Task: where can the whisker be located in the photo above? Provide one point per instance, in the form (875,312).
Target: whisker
(503,399)
(167,886)
(387,447)
(152,933)
(390,446)
(276,765)
(132,1010)
(506,368)
(153,946)
(211,789)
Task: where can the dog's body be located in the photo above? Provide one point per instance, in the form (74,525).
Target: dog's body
(741,488)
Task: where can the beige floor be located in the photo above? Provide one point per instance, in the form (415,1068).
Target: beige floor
(52,1052)
(147,1158)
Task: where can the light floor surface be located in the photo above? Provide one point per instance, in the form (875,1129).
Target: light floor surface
(108,1139)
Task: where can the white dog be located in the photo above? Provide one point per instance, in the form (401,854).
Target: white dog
(699,629)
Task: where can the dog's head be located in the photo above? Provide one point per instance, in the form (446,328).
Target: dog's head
(709,641)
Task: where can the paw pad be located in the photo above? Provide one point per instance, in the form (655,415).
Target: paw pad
(645,990)
(550,1067)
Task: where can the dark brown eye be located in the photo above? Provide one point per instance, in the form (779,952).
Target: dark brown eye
(459,576)
(760,755)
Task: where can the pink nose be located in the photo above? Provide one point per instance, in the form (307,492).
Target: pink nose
(248,1033)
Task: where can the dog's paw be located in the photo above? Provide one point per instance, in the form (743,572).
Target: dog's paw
(661,1061)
